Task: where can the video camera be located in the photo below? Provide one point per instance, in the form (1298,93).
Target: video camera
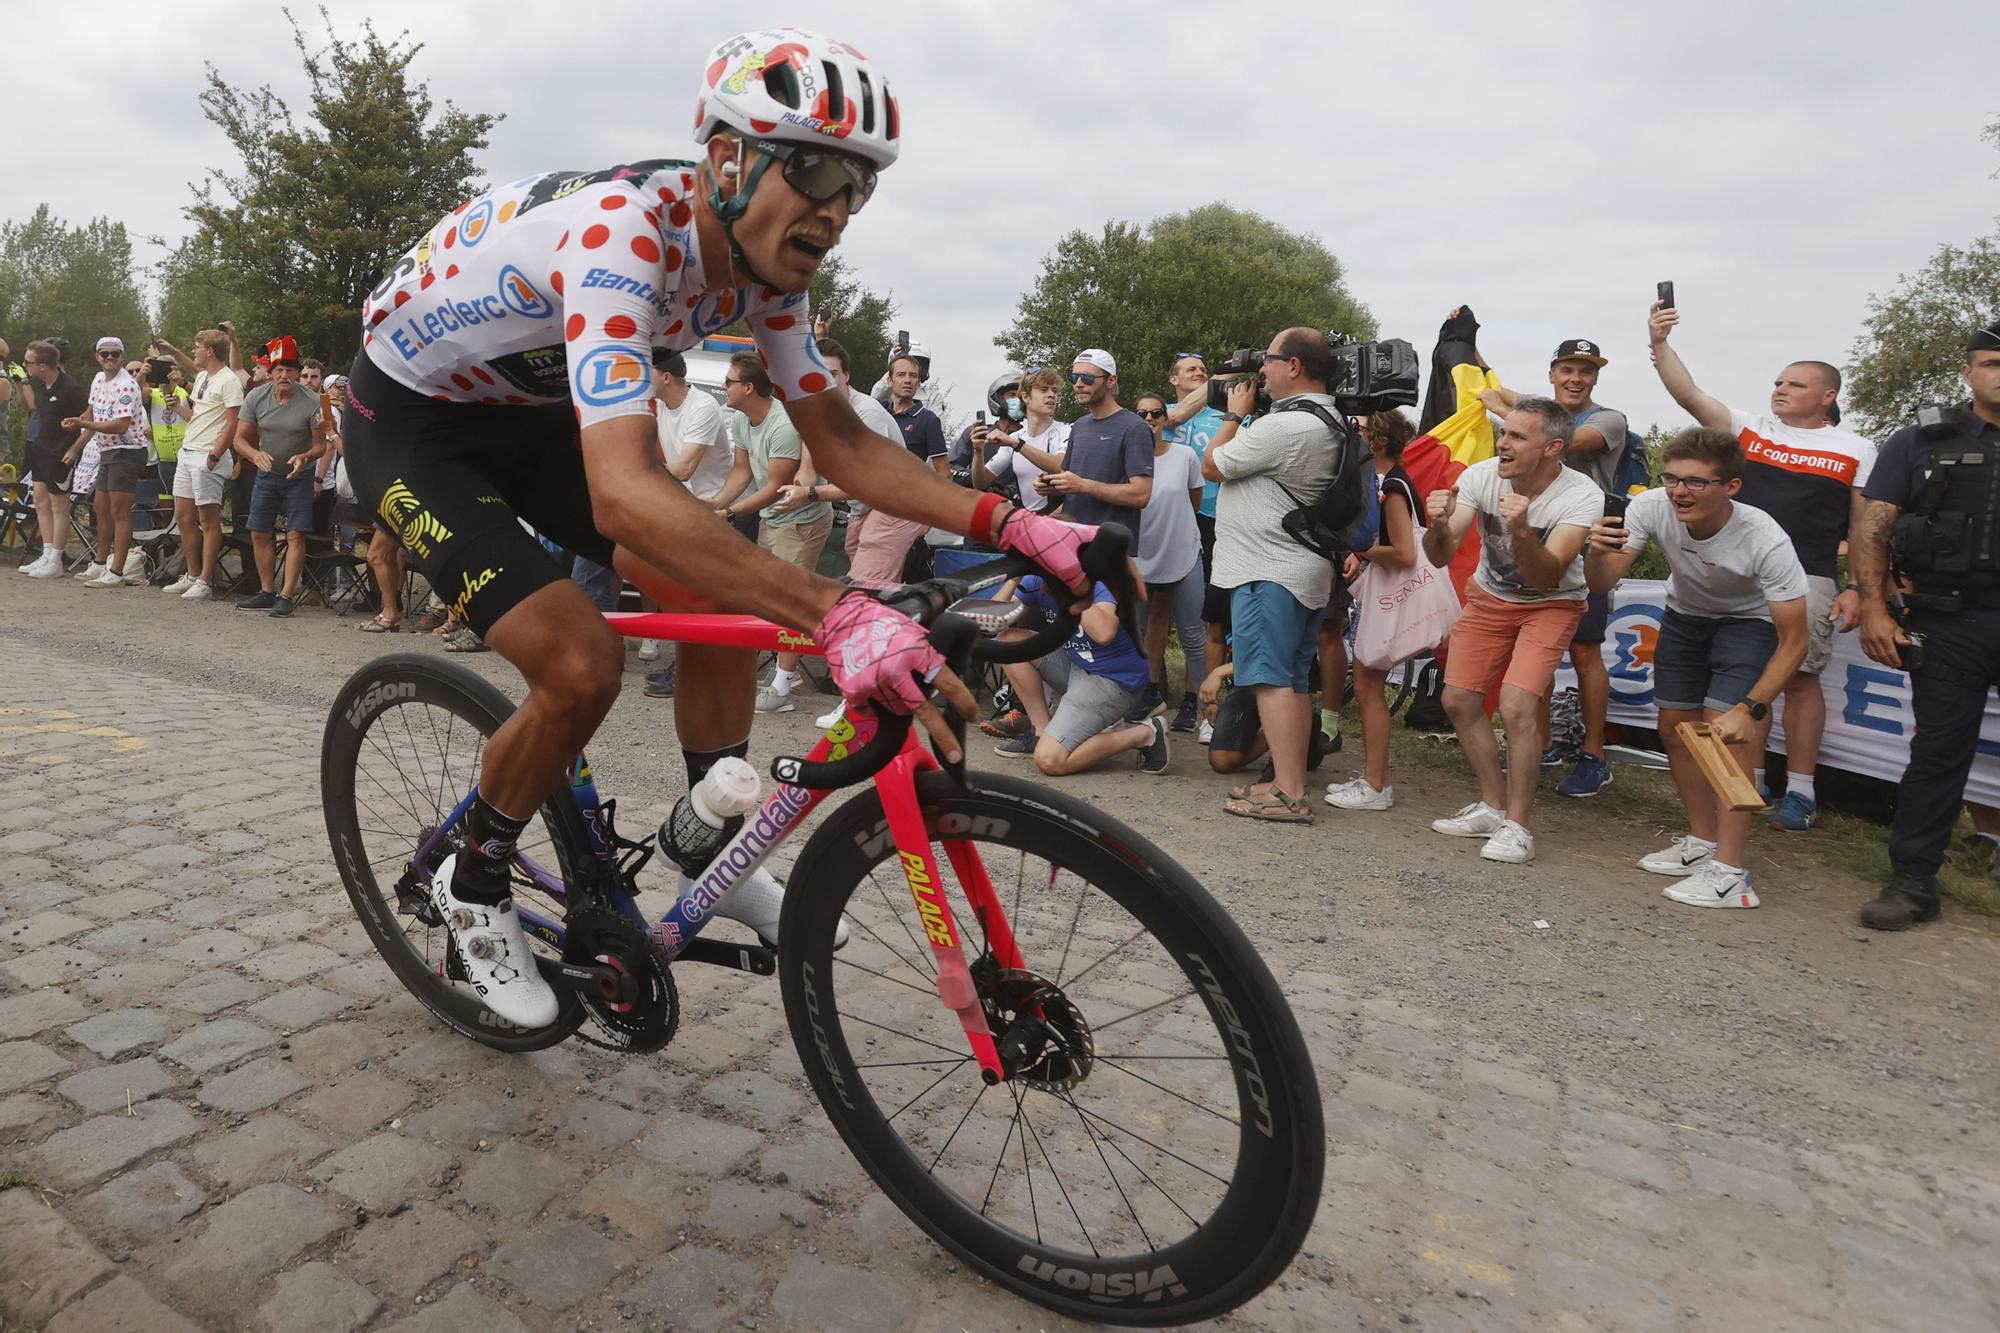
(1243,363)
(1372,377)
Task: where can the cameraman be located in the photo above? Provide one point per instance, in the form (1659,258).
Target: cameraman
(1278,588)
(1933,480)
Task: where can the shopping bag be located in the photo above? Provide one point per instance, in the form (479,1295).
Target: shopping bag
(1403,612)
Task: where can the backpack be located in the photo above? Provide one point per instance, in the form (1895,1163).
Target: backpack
(1346,515)
(1632,474)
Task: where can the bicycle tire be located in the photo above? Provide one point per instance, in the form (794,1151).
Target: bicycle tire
(370,698)
(1262,1215)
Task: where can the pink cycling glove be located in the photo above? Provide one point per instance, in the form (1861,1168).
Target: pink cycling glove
(880,658)
(1051,543)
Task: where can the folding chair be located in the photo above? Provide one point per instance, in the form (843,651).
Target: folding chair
(18,523)
(327,560)
(154,530)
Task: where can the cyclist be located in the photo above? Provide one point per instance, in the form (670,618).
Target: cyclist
(505,379)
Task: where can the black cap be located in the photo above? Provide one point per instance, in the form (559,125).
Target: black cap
(1984,340)
(1578,349)
(670,361)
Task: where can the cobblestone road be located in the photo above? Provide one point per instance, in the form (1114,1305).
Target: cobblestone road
(227,1114)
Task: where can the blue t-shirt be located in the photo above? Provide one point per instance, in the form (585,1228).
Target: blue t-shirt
(1114,450)
(1119,661)
(1195,433)
(923,434)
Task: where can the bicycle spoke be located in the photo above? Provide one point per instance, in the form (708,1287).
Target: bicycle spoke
(904,918)
(1168,1152)
(898,1032)
(1109,953)
(1141,1013)
(926,1092)
(894,981)
(1092,1136)
(969,1108)
(1027,1167)
(1056,1176)
(1171,1093)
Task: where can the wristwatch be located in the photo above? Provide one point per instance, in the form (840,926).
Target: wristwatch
(812,493)
(1759,710)
(1232,418)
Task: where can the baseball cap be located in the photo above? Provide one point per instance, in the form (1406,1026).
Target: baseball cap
(1984,340)
(1097,356)
(282,350)
(1578,349)
(110,344)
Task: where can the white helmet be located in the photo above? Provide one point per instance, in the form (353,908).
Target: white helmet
(799,87)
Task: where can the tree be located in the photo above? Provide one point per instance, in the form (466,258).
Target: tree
(860,319)
(1914,340)
(71,282)
(317,212)
(1202,281)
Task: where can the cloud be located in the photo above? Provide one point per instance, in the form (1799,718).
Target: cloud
(1545,164)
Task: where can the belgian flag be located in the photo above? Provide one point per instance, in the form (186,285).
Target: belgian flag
(1455,429)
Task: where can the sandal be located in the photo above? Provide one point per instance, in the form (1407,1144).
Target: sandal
(380,625)
(1273,805)
(431,618)
(465,641)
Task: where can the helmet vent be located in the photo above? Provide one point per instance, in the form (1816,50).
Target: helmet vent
(867,104)
(894,128)
(836,99)
(781,81)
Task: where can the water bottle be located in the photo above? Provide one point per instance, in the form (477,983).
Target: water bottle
(705,819)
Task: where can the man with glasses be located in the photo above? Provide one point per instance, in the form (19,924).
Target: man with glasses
(507,357)
(1107,474)
(1192,422)
(1806,472)
(1734,632)
(112,443)
(54,398)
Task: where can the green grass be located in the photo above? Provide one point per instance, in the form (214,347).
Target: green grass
(15,1179)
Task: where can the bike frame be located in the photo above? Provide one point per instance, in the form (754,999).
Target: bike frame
(784,809)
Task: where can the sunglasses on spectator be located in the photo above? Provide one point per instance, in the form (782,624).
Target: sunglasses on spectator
(1270,357)
(109,356)
(1182,356)
(819,174)
(1078,377)
(1695,485)
(1150,412)
(727,381)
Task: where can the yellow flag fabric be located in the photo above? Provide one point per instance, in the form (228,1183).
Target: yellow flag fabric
(1467,434)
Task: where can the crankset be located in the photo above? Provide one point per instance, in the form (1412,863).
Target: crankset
(622,981)
(1043,1038)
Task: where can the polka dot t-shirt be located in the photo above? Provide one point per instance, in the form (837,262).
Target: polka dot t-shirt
(556,288)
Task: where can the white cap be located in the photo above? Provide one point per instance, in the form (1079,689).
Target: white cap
(110,344)
(1098,357)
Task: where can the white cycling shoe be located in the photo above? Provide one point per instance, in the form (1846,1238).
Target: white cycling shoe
(758,901)
(494,951)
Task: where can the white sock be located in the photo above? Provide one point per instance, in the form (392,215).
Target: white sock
(1702,842)
(1802,783)
(1757,778)
(1724,865)
(783,681)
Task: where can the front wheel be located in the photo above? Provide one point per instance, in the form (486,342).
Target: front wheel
(1159,1161)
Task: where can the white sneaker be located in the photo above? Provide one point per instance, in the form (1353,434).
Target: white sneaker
(106,580)
(758,901)
(50,568)
(1685,857)
(1204,732)
(182,584)
(197,592)
(92,571)
(34,567)
(770,701)
(1510,843)
(1713,885)
(1358,795)
(1478,820)
(826,720)
(494,951)
(649,650)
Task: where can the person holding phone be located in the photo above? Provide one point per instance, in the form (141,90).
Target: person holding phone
(1734,632)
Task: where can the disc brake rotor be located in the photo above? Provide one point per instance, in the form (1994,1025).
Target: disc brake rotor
(644,1016)
(1044,1039)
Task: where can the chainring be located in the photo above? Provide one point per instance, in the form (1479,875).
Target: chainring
(604,937)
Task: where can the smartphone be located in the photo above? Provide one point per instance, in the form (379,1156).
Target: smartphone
(1913,655)
(1615,505)
(903,339)
(979,418)
(1666,290)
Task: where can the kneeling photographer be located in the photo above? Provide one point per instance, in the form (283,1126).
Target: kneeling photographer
(1930,502)
(1278,587)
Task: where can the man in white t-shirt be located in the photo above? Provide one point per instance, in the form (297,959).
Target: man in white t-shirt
(1038,444)
(1807,473)
(696,449)
(1734,632)
(207,459)
(1522,606)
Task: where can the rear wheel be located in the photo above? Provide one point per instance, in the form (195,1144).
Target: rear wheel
(1156,1157)
(402,747)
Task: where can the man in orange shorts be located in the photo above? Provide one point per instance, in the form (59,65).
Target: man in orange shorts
(1521,607)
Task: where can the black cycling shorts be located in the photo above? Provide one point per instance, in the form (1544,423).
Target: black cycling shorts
(454,482)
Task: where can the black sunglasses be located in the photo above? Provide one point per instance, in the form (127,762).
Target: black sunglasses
(820,173)
(1078,377)
(727,381)
(1150,412)
(109,356)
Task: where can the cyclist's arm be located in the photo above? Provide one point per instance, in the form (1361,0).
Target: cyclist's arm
(641,508)
(882,474)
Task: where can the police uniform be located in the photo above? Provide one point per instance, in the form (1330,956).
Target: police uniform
(1944,474)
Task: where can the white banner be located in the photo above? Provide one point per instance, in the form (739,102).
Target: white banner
(1868,719)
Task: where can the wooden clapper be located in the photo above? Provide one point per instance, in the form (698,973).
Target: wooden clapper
(1732,785)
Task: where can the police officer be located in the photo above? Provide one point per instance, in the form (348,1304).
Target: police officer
(1934,501)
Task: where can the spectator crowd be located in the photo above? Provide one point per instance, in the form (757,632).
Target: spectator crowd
(133,463)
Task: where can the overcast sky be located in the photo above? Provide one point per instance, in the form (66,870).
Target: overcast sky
(1544,163)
